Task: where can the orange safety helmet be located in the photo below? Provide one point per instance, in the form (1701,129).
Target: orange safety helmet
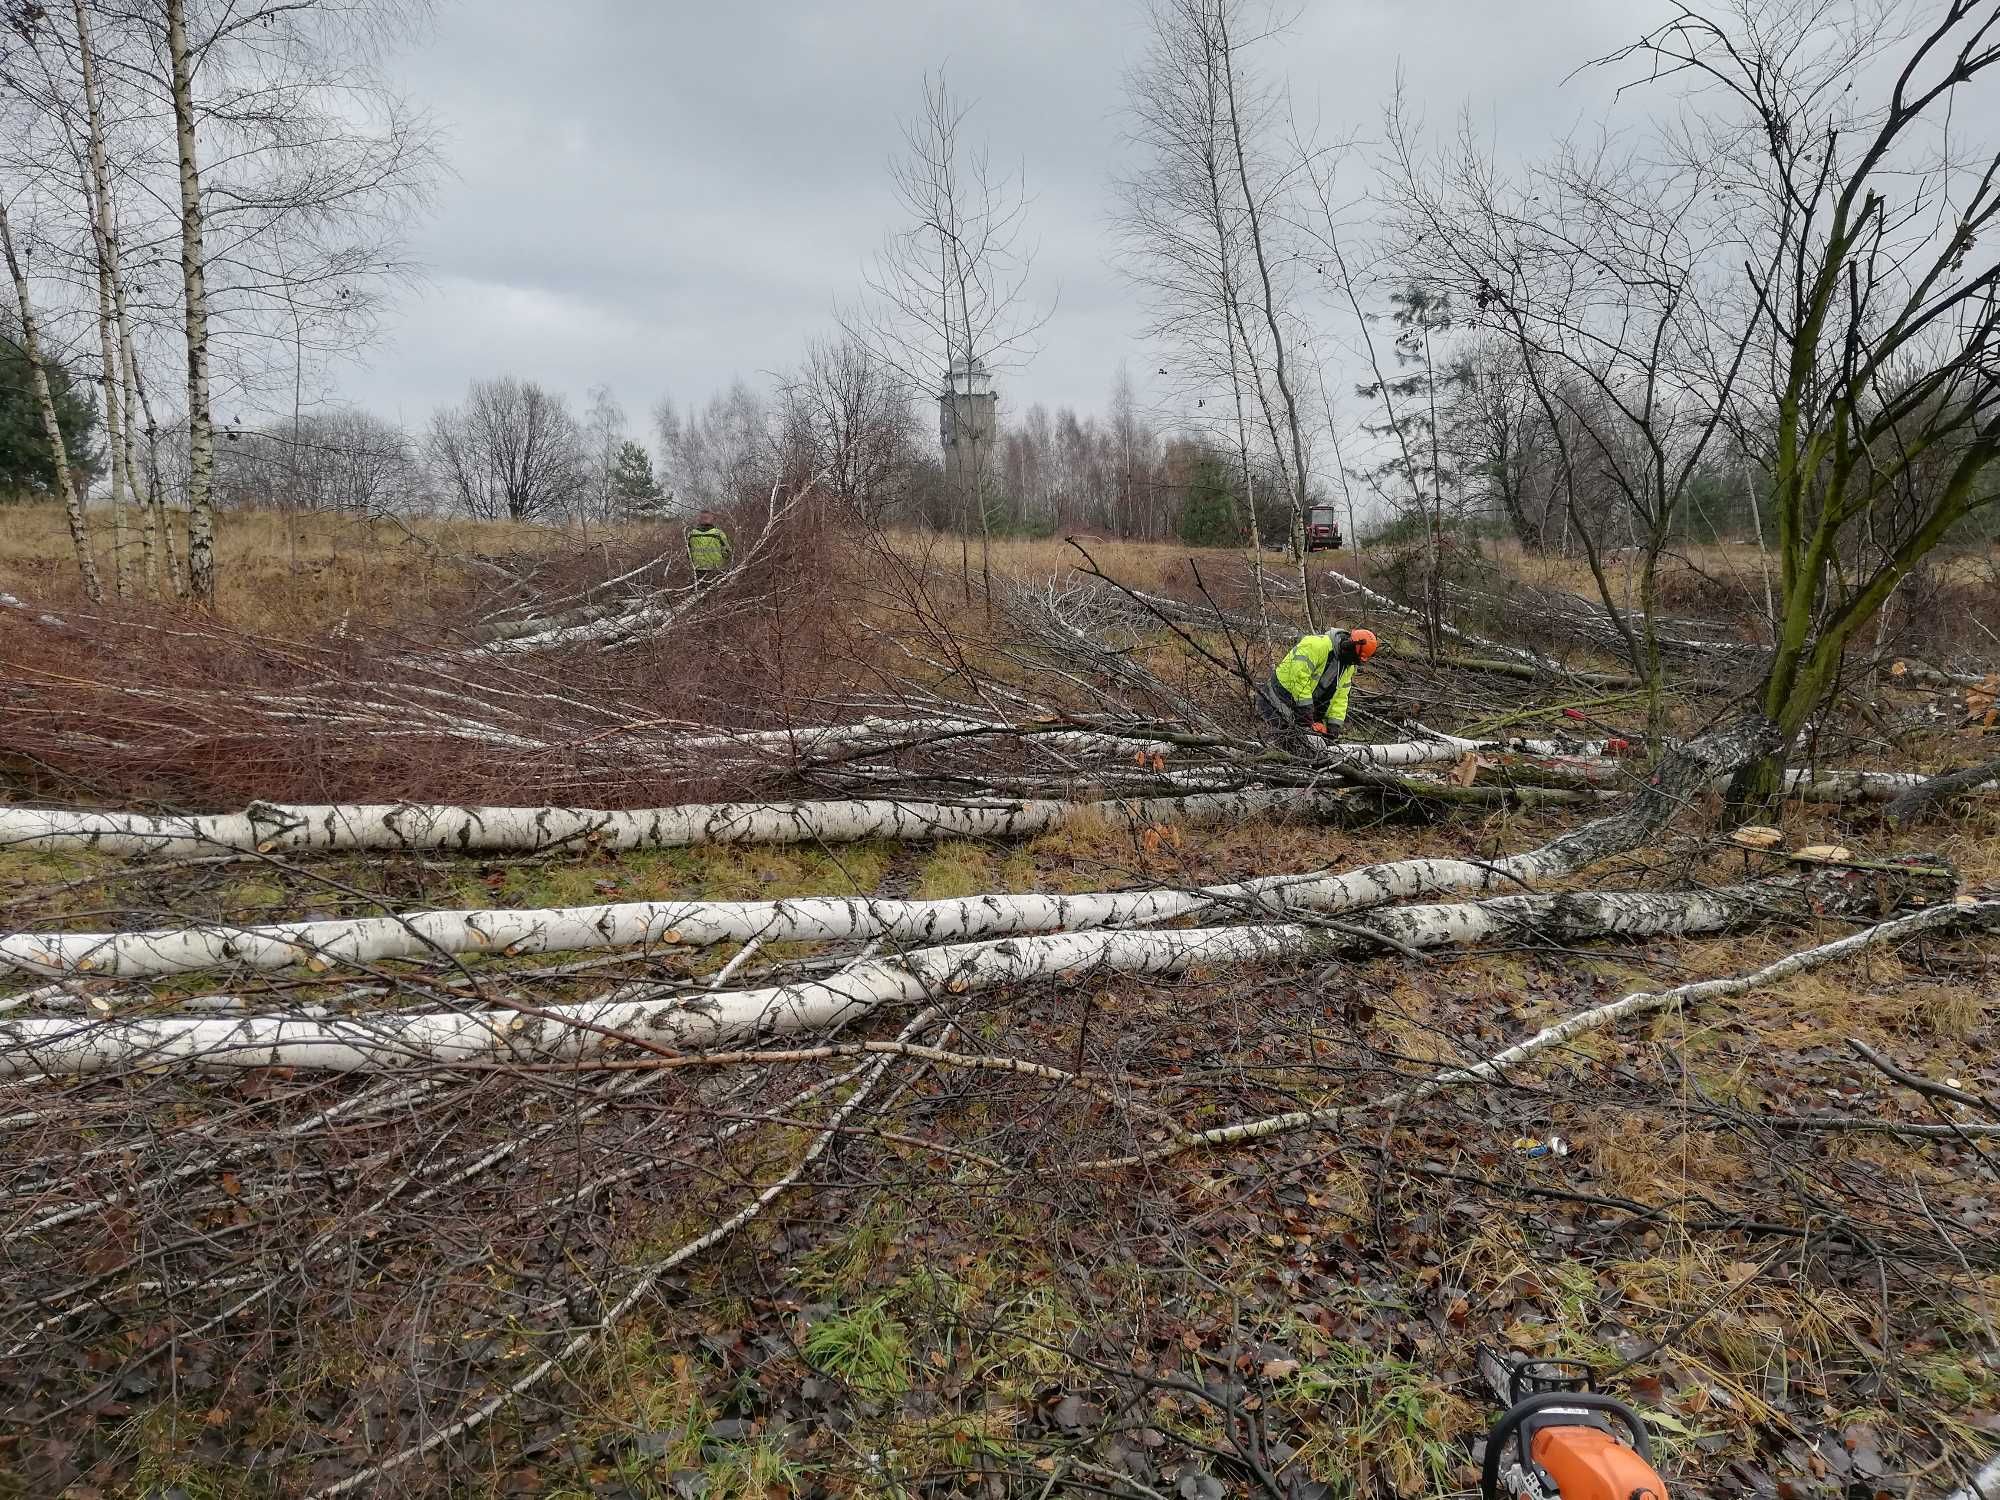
(1365,643)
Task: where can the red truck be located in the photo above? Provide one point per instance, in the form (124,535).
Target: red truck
(1322,531)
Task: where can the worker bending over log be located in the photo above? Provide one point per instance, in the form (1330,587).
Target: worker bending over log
(1306,693)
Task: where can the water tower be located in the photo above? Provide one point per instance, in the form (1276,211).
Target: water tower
(967,422)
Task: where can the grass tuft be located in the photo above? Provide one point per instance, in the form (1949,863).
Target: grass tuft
(867,1347)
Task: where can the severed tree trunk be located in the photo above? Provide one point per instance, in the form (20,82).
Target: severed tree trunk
(660,1018)
(321,944)
(38,375)
(267,827)
(271,828)
(201,423)
(1919,793)
(509,932)
(1799,785)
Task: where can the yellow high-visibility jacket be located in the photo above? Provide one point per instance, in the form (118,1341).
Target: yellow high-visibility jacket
(1312,674)
(708,549)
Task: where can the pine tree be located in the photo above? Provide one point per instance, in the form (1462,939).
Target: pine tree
(1417,474)
(634,490)
(26,465)
(1208,513)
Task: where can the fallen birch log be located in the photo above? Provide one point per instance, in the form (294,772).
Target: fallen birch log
(1985,1485)
(268,828)
(513,932)
(1532,659)
(1585,770)
(1526,672)
(1914,799)
(1685,770)
(513,630)
(1929,676)
(589,604)
(641,1013)
(1871,786)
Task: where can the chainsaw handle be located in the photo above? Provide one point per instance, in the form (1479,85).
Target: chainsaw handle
(1504,1430)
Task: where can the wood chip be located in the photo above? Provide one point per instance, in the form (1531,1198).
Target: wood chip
(1756,836)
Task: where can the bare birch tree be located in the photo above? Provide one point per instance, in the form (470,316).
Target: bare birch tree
(98,195)
(950,289)
(604,426)
(288,157)
(1264,188)
(194,313)
(1180,220)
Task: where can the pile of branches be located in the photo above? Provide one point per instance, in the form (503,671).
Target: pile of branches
(477,1144)
(404,1247)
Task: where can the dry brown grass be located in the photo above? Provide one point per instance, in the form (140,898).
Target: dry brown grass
(286,572)
(1151,566)
(275,571)
(1731,569)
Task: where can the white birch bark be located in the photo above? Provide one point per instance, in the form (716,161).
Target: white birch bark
(1934,676)
(1383,601)
(59,1047)
(114,429)
(151,514)
(38,377)
(824,739)
(1985,1485)
(267,828)
(615,628)
(511,932)
(1864,786)
(201,424)
(1586,765)
(102,240)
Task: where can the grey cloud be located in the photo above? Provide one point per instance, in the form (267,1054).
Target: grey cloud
(661,196)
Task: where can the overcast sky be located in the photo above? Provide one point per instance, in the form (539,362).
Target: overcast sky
(659,195)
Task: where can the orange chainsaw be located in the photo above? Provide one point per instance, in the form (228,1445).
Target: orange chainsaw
(1561,1439)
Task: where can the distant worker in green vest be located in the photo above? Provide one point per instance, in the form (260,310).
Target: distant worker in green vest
(708,549)
(1306,694)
